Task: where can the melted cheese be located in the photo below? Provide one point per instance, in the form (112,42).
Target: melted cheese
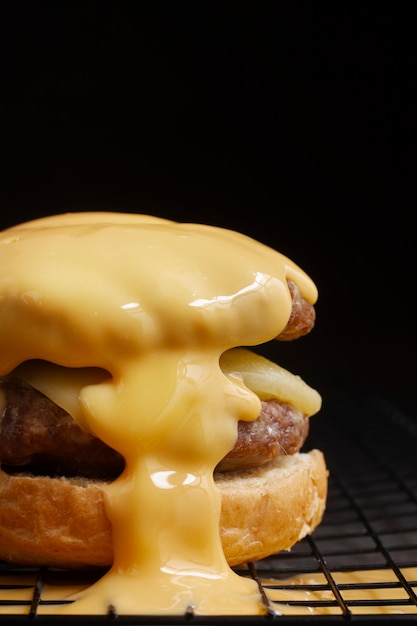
(269,380)
(141,309)
(377,591)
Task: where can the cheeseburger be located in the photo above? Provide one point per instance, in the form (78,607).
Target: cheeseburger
(140,431)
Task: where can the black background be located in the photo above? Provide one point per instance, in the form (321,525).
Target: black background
(294,123)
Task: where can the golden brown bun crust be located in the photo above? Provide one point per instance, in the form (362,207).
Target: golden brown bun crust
(62,522)
(269,509)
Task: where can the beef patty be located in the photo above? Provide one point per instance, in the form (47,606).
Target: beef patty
(38,436)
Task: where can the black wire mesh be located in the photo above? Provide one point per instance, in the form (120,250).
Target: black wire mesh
(359,566)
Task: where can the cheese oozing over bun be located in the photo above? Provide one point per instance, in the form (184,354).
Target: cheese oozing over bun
(130,322)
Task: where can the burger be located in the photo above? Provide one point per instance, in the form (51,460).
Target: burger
(141,432)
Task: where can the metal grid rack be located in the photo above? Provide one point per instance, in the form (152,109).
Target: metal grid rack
(359,566)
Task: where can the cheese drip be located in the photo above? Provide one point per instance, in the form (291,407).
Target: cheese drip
(150,306)
(266,379)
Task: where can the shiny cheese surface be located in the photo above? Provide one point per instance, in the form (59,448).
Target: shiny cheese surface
(368,592)
(141,309)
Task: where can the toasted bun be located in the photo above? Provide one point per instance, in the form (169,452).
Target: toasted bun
(62,522)
(269,509)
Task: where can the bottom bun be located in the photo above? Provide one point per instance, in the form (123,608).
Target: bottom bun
(62,522)
(270,508)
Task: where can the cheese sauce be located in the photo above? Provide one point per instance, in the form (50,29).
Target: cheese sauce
(372,592)
(154,304)
(366,592)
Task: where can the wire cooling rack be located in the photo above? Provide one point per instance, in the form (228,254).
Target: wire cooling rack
(359,566)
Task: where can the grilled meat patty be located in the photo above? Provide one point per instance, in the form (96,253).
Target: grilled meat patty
(38,436)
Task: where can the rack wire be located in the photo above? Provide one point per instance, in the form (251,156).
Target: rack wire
(359,566)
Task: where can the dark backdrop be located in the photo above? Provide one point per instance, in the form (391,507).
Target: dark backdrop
(294,123)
